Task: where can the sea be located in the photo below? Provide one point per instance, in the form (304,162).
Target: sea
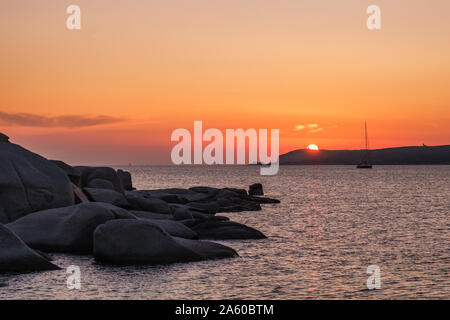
(338,232)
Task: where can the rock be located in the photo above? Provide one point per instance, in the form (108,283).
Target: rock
(207,200)
(207,207)
(68,229)
(256,189)
(236,204)
(44,255)
(192,222)
(128,242)
(175,195)
(125,179)
(140,201)
(240,192)
(107,196)
(206,249)
(100,184)
(262,199)
(79,195)
(90,173)
(186,195)
(16,256)
(207,190)
(151,215)
(182,212)
(174,228)
(29,183)
(73,175)
(228,193)
(4,137)
(225,230)
(173,198)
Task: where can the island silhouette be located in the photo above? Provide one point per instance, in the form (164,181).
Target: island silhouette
(412,155)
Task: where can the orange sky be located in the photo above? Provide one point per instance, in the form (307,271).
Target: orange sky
(137,70)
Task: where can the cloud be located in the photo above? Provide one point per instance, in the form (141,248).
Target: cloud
(313,127)
(67,121)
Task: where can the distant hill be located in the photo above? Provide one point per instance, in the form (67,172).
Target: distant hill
(400,155)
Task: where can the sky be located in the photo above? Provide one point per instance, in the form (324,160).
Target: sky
(113,91)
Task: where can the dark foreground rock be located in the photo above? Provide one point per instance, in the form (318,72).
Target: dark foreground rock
(16,256)
(90,177)
(205,200)
(231,199)
(225,230)
(174,228)
(68,229)
(182,212)
(140,242)
(79,195)
(29,182)
(125,179)
(72,174)
(54,207)
(4,137)
(151,215)
(141,200)
(100,183)
(106,195)
(256,189)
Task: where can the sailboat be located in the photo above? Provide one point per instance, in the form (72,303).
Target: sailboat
(365,163)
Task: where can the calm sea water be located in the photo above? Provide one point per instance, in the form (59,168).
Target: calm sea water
(332,223)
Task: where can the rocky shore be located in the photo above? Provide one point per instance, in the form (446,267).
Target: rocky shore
(48,206)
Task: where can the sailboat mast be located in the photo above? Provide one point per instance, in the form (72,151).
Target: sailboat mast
(365,161)
(367,141)
(365,135)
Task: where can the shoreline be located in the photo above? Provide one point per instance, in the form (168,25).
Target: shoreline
(96,210)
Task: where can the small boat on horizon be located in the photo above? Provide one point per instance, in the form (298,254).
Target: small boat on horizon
(365,163)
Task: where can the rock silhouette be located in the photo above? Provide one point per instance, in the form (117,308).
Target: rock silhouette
(107,196)
(141,242)
(256,189)
(141,201)
(388,156)
(125,179)
(16,256)
(51,206)
(3,137)
(174,228)
(29,182)
(225,230)
(68,229)
(89,174)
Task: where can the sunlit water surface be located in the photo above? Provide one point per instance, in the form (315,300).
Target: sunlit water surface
(332,223)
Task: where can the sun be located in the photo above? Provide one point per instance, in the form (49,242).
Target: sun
(313,147)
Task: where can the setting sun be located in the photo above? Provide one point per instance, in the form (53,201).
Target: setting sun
(313,147)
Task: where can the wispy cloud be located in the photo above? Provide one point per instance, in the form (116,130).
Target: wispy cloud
(67,121)
(312,127)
